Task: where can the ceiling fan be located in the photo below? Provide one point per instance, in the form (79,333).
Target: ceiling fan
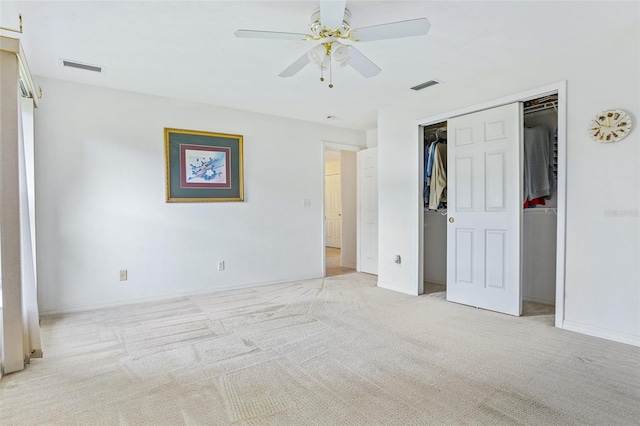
(330,24)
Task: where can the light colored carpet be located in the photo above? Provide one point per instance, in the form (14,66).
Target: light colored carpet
(337,351)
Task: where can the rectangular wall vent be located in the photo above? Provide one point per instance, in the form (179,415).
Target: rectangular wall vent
(81,66)
(425,85)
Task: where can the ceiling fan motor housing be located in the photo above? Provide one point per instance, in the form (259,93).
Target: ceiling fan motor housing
(319,30)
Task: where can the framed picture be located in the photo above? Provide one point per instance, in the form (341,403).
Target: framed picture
(203,166)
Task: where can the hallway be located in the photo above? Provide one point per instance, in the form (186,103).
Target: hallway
(332,256)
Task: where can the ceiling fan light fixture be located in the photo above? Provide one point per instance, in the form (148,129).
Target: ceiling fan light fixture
(339,52)
(344,62)
(326,63)
(318,55)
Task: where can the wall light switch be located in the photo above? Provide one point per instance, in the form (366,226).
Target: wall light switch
(221,265)
(123,275)
(306,202)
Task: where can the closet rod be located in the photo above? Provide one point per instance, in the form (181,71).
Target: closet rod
(541,107)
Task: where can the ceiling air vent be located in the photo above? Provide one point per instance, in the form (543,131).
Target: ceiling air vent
(425,85)
(81,66)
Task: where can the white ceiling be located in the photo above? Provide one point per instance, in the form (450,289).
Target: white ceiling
(187,50)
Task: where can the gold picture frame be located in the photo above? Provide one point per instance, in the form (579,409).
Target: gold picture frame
(203,166)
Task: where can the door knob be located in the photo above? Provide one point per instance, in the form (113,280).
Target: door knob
(451,220)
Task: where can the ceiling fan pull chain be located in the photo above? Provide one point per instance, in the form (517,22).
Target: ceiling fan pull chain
(330,73)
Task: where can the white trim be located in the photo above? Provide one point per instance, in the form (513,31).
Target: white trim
(419,136)
(124,302)
(561,89)
(387,286)
(589,330)
(336,146)
(358,211)
(11,44)
(561,212)
(518,97)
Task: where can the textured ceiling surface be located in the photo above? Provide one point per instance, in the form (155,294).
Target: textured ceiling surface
(186,49)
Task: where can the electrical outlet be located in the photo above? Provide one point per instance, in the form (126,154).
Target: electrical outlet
(221,265)
(123,275)
(306,202)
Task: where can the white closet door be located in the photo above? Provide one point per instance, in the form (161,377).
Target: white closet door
(368,210)
(484,183)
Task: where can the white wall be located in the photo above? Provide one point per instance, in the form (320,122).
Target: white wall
(372,138)
(603,180)
(101,207)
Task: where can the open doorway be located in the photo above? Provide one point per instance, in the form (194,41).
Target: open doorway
(340,210)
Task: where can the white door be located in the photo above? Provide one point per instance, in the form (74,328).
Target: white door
(333,209)
(368,210)
(484,209)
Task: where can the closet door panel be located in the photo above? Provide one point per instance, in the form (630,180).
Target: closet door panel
(484,209)
(495,130)
(495,258)
(464,256)
(464,183)
(495,181)
(463,136)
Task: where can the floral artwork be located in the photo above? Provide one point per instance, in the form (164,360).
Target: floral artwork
(205,169)
(203,166)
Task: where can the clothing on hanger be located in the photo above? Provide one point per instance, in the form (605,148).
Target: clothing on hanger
(430,150)
(539,179)
(438,192)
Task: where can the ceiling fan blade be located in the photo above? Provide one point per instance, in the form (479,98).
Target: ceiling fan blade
(271,35)
(413,27)
(362,64)
(332,13)
(293,69)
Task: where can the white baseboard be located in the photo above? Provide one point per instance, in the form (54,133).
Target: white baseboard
(388,286)
(589,330)
(84,308)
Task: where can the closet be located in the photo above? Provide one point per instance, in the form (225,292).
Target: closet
(539,220)
(539,205)
(435,219)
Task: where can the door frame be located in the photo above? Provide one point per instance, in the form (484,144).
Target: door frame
(560,88)
(325,146)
